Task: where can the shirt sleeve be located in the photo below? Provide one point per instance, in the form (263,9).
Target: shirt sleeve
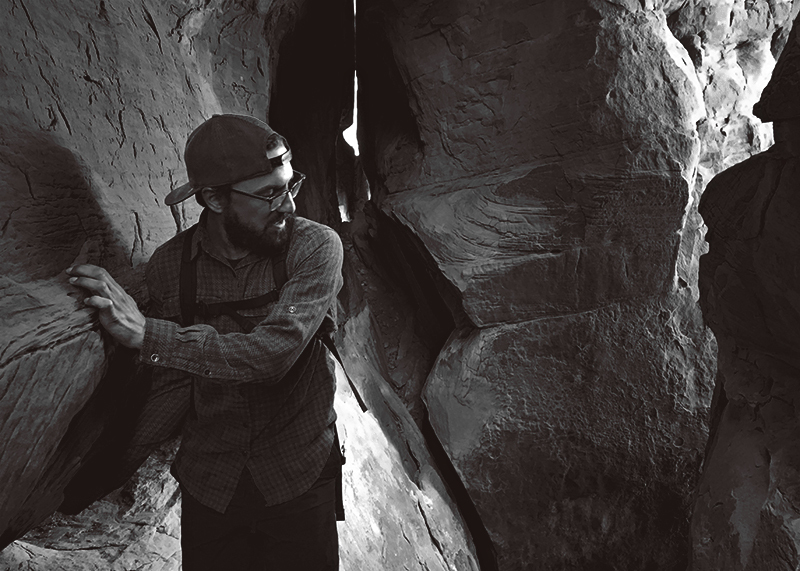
(268,352)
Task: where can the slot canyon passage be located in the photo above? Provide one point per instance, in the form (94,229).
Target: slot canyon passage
(555,380)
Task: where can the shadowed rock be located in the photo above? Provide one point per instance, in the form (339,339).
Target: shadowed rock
(746,516)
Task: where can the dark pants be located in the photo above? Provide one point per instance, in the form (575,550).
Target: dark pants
(298,535)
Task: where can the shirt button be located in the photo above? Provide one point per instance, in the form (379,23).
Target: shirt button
(292,309)
(207,372)
(155,358)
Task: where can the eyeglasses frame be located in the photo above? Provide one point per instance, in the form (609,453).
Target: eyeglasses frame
(276,200)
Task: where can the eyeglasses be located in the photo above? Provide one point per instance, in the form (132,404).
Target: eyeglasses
(276,199)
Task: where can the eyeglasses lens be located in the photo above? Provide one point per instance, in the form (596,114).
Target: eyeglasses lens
(295,187)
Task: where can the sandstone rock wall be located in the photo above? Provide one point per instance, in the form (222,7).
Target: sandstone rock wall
(549,158)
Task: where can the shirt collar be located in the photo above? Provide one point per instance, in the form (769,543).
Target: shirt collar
(200,234)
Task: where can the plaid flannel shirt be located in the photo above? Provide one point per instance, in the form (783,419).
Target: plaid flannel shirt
(242,413)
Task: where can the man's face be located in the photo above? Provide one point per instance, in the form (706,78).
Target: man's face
(249,222)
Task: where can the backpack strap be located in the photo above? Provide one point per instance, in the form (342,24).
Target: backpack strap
(328,342)
(188,281)
(279,271)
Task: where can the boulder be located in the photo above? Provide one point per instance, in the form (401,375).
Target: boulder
(577,436)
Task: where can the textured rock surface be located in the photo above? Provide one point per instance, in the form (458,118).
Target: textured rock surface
(97,101)
(733,46)
(746,514)
(547,159)
(135,527)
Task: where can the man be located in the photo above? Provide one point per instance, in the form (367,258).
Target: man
(258,459)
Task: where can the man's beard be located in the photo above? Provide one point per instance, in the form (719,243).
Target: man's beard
(268,242)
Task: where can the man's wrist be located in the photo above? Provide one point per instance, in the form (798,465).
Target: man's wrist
(137,337)
(138,340)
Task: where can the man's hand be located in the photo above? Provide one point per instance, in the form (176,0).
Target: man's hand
(118,313)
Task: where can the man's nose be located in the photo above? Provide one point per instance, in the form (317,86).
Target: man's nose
(287,206)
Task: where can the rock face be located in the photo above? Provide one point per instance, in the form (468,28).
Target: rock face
(97,102)
(540,166)
(135,527)
(746,514)
(88,143)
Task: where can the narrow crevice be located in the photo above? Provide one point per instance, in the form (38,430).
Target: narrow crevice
(388,134)
(312,91)
(484,548)
(401,258)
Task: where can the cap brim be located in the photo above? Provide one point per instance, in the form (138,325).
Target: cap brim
(180,194)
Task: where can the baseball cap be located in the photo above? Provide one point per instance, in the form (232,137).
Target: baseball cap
(223,150)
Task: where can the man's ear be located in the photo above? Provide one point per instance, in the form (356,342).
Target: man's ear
(215,198)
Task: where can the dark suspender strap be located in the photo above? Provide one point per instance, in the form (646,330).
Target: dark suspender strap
(187,291)
(279,271)
(188,281)
(206,310)
(328,342)
(279,264)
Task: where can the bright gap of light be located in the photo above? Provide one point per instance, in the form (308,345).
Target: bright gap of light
(350,133)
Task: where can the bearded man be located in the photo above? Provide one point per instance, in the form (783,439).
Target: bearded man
(239,304)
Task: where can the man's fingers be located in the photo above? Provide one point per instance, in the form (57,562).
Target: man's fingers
(89,271)
(118,313)
(95,279)
(97,287)
(98,302)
